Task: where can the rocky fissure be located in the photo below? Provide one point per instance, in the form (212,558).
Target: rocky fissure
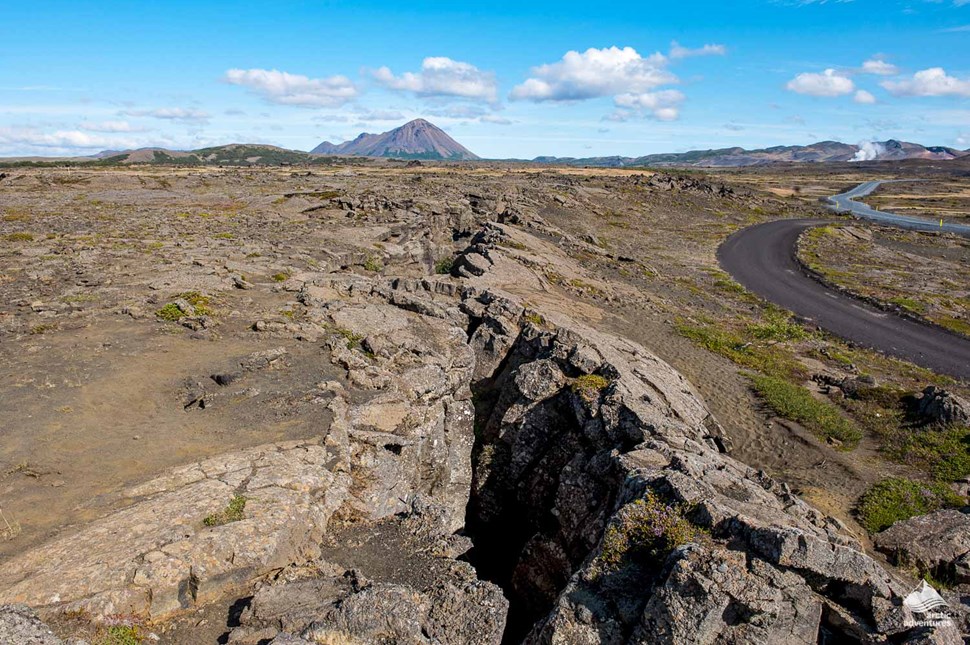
(494,471)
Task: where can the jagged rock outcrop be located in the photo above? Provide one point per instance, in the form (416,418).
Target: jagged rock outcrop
(21,625)
(411,435)
(663,181)
(937,405)
(938,542)
(528,494)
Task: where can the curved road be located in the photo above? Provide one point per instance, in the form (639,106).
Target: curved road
(845,203)
(762,258)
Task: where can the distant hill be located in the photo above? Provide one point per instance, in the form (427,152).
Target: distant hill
(420,139)
(416,139)
(236,154)
(821,152)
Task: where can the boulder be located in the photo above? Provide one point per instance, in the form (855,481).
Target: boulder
(20,625)
(938,542)
(937,405)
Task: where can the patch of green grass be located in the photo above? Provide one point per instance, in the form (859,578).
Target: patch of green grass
(374,263)
(535,318)
(16,216)
(589,386)
(796,403)
(511,244)
(957,325)
(37,330)
(19,237)
(444,266)
(744,352)
(729,286)
(648,528)
(353,340)
(896,499)
(201,302)
(233,512)
(282,276)
(121,635)
(910,305)
(223,236)
(170,312)
(777,326)
(943,453)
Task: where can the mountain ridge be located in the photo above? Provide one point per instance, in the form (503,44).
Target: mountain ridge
(420,139)
(819,152)
(417,139)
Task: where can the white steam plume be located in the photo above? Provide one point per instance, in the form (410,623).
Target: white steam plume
(869,151)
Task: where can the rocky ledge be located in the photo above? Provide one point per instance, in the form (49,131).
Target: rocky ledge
(491,471)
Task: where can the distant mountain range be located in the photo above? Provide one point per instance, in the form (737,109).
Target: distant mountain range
(822,152)
(418,139)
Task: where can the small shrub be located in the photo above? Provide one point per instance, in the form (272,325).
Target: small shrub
(282,276)
(535,318)
(199,301)
(37,330)
(373,263)
(647,528)
(233,512)
(796,403)
(730,286)
(444,266)
(896,499)
(777,326)
(19,237)
(589,386)
(353,340)
(121,635)
(170,312)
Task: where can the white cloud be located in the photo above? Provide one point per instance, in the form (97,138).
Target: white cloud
(459,111)
(663,105)
(108,126)
(930,82)
(963,139)
(60,140)
(294,89)
(864,98)
(379,115)
(171,114)
(331,118)
(442,76)
(677,52)
(595,73)
(879,67)
(828,83)
(494,118)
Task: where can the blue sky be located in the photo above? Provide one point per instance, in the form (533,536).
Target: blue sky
(507,79)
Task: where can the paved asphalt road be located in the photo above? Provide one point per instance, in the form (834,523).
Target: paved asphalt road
(762,258)
(845,203)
